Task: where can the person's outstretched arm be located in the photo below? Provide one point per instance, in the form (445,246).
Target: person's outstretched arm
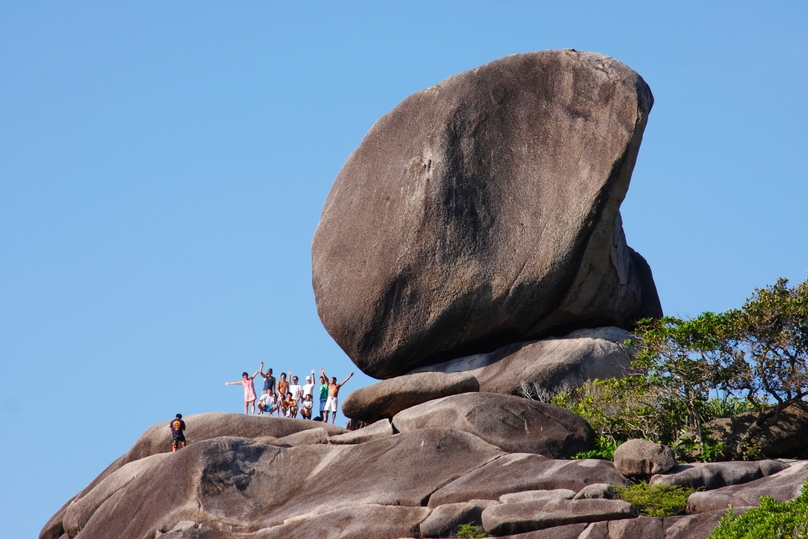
(343,382)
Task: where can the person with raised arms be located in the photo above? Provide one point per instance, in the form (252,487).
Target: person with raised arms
(249,389)
(333,393)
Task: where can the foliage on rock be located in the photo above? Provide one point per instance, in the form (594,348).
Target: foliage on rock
(788,520)
(689,372)
(470,531)
(655,500)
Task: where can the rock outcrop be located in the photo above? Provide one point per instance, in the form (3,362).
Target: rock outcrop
(477,216)
(782,435)
(387,398)
(421,483)
(514,424)
(713,475)
(540,366)
(782,486)
(484,211)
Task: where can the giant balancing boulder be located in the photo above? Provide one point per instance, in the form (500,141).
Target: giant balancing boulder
(484,211)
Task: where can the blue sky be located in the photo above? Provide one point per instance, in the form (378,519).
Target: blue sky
(163,167)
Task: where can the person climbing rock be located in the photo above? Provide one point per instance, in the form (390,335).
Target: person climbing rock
(177,426)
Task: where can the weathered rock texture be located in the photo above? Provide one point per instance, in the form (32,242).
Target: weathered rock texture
(514,424)
(517,472)
(422,483)
(715,475)
(545,366)
(641,458)
(485,211)
(387,398)
(782,486)
(528,516)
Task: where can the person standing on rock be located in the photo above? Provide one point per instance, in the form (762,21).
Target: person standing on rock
(269,381)
(249,389)
(308,387)
(283,387)
(296,392)
(333,393)
(177,426)
(323,394)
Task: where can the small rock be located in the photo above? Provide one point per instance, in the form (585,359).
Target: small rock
(642,458)
(532,495)
(596,491)
(536,515)
(184,525)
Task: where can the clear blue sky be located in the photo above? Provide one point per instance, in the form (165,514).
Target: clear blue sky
(163,166)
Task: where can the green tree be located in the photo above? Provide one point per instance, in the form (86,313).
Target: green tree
(682,358)
(755,358)
(765,351)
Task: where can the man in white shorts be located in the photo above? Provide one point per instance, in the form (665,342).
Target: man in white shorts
(333,393)
(297,393)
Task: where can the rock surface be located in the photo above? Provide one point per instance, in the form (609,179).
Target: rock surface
(715,475)
(514,424)
(378,430)
(641,458)
(477,215)
(517,472)
(386,521)
(446,519)
(421,483)
(535,515)
(782,436)
(781,486)
(209,481)
(559,362)
(387,398)
(546,365)
(484,211)
(533,495)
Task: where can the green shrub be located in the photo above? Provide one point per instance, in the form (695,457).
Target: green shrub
(471,531)
(655,500)
(604,450)
(772,520)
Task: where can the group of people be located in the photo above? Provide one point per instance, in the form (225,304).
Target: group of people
(285,397)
